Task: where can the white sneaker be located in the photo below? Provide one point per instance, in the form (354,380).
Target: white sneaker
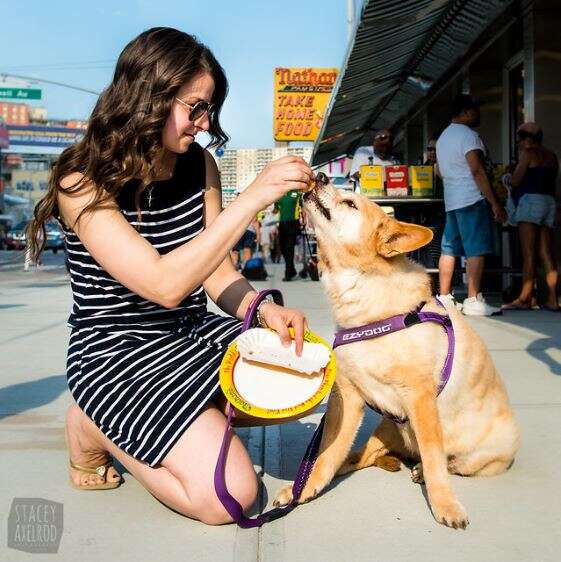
(476,306)
(449,301)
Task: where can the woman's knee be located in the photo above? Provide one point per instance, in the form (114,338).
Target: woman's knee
(208,509)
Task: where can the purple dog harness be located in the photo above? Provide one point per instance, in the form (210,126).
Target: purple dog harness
(342,337)
(395,324)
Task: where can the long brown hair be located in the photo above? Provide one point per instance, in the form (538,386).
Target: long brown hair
(124,133)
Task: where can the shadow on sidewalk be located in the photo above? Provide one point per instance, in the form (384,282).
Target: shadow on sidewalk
(543,322)
(295,440)
(19,398)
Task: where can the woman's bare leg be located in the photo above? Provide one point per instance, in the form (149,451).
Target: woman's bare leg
(85,451)
(527,233)
(184,480)
(550,267)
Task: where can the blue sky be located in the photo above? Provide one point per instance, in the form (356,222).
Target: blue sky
(77,42)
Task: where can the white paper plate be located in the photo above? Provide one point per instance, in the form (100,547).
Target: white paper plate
(264,390)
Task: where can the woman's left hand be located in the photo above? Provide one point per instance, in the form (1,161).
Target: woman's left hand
(279,319)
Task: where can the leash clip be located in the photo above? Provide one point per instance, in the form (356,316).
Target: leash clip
(411,319)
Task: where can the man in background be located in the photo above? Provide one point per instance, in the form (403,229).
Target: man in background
(430,160)
(288,207)
(379,154)
(467,197)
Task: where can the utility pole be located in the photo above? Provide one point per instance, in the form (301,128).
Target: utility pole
(350,18)
(4,75)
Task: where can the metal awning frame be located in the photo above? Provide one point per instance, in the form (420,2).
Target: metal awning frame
(360,122)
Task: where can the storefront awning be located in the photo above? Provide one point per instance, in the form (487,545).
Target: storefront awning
(400,50)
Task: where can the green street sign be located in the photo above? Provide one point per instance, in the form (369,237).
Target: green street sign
(20,93)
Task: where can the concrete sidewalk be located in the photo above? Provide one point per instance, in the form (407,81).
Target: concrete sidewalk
(370,515)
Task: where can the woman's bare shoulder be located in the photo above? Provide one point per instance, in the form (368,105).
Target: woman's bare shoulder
(211,172)
(75,194)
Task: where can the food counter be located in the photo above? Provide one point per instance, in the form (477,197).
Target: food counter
(413,194)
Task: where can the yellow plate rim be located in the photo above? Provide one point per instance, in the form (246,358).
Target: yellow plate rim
(230,392)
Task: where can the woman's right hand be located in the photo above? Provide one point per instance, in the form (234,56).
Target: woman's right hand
(279,177)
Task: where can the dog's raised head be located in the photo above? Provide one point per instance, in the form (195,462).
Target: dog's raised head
(355,233)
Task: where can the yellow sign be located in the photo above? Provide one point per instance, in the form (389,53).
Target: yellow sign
(300,100)
(422,181)
(371,179)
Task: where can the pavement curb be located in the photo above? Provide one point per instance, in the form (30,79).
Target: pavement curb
(246,541)
(272,535)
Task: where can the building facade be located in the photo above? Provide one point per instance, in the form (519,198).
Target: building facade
(14,113)
(506,53)
(239,167)
(34,144)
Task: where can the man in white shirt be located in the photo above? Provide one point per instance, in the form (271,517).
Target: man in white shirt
(380,154)
(467,195)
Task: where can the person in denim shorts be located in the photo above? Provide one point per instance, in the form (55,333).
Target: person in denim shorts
(469,201)
(531,207)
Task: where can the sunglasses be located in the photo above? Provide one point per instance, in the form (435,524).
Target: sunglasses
(198,110)
(522,135)
(381,137)
(431,148)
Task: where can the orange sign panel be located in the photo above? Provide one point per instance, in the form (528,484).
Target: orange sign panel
(301,96)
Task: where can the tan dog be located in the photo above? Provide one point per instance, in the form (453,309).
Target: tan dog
(469,430)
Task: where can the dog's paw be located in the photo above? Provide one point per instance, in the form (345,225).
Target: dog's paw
(283,497)
(451,513)
(417,473)
(389,463)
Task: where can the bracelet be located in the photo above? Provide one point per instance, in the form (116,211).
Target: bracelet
(260,320)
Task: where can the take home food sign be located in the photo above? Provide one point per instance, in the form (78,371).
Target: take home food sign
(301,96)
(35,525)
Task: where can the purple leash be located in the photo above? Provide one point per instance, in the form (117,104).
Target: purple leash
(230,503)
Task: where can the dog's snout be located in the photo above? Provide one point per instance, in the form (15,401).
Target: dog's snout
(321,179)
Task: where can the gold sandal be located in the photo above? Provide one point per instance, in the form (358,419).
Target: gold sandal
(100,471)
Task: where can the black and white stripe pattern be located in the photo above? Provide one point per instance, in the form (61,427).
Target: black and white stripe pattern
(142,372)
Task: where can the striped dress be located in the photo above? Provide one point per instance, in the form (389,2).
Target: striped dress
(140,371)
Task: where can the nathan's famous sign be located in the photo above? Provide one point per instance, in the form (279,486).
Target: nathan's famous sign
(300,101)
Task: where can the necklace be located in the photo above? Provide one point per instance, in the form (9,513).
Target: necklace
(150,196)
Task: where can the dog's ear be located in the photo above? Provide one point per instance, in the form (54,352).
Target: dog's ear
(395,237)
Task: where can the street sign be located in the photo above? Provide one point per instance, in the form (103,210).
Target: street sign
(20,93)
